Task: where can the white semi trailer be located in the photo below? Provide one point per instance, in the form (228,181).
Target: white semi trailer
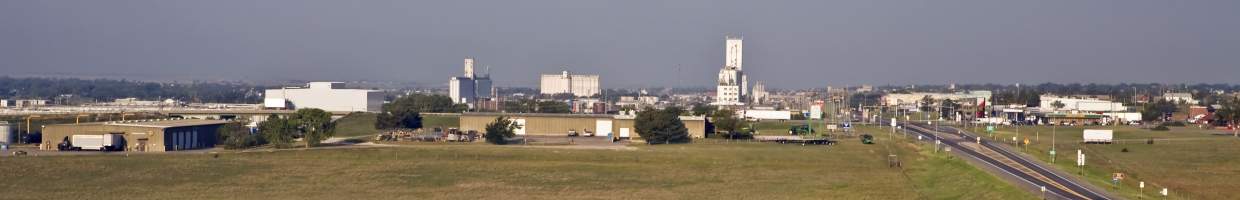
(105,142)
(1095,136)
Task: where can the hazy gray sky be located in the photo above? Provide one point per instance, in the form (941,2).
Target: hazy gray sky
(788,44)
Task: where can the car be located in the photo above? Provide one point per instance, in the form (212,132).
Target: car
(573,133)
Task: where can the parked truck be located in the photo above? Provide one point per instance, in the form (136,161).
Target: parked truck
(105,142)
(1096,136)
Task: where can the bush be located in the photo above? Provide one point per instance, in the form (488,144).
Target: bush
(237,136)
(498,131)
(1161,128)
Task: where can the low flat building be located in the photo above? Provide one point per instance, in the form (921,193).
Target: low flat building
(1074,119)
(142,135)
(542,124)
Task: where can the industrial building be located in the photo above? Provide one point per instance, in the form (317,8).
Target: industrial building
(7,135)
(140,135)
(1080,104)
(576,84)
(975,97)
(733,83)
(1187,98)
(329,96)
(541,124)
(470,87)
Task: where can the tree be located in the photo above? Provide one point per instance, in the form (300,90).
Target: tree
(315,125)
(1230,112)
(426,103)
(661,126)
(700,109)
(926,104)
(1157,110)
(948,108)
(276,131)
(401,114)
(1057,104)
(236,136)
(726,120)
(498,131)
(553,107)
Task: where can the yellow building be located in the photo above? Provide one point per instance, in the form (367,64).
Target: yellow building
(542,124)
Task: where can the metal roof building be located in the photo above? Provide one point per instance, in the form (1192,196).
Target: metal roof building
(142,135)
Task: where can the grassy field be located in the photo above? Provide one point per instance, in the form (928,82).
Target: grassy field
(356,124)
(359,124)
(446,121)
(478,171)
(1193,163)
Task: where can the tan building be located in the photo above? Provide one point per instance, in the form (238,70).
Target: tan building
(142,135)
(541,124)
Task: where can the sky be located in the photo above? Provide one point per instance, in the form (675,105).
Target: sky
(630,43)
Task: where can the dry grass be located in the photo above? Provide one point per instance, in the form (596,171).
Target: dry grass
(691,171)
(1193,163)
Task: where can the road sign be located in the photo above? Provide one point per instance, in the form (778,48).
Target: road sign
(893,121)
(990,128)
(1163,192)
(1080,158)
(1026,141)
(1142,185)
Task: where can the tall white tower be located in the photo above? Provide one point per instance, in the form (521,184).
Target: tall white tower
(469,67)
(733,54)
(733,83)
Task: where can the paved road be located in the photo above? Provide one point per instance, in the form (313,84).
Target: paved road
(1007,161)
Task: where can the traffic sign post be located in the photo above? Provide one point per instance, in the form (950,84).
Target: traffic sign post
(1141,189)
(990,129)
(1080,162)
(1043,191)
(1052,156)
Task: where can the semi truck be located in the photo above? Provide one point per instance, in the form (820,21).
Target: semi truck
(105,142)
(1096,136)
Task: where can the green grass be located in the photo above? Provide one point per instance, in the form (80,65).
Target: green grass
(359,124)
(1194,165)
(445,121)
(478,171)
(356,124)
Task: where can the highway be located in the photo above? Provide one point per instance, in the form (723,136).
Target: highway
(1009,162)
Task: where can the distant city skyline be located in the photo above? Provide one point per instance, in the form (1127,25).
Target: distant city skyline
(790,44)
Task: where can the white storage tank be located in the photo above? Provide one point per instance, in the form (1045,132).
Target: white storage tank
(6,133)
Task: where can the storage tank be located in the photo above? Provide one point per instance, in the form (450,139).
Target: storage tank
(6,133)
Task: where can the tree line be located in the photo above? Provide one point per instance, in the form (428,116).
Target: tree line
(89,90)
(312,125)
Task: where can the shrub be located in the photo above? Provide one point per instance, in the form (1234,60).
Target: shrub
(1161,128)
(498,131)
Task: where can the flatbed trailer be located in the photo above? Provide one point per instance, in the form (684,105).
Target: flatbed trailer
(795,140)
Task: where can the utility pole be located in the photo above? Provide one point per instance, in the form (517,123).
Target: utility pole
(1053,143)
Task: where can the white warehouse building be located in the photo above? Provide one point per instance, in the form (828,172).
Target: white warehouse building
(576,84)
(329,96)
